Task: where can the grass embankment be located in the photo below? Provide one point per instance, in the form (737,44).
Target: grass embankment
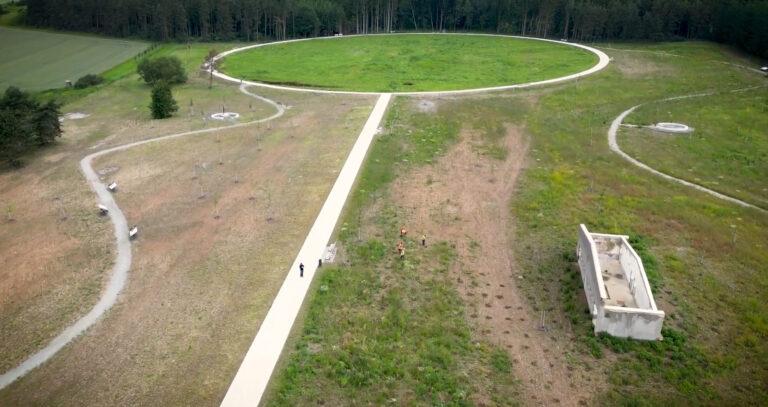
(705,257)
(408,62)
(382,330)
(728,151)
(37,60)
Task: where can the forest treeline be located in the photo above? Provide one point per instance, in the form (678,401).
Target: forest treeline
(743,23)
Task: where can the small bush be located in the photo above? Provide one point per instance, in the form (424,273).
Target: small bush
(88,81)
(165,69)
(163,105)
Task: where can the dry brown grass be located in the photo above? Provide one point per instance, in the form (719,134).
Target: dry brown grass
(55,254)
(205,269)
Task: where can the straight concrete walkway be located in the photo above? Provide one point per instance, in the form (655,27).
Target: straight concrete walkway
(252,377)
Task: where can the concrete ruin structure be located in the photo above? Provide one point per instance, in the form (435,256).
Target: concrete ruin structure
(616,286)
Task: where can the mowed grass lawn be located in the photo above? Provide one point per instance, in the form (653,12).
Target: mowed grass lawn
(38,60)
(427,62)
(727,152)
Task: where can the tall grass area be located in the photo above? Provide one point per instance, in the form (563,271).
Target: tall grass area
(727,152)
(707,258)
(381,330)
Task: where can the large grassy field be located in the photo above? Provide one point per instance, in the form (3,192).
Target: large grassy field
(706,258)
(489,312)
(423,62)
(38,60)
(727,152)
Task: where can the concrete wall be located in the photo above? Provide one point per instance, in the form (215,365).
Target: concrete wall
(590,271)
(630,323)
(634,272)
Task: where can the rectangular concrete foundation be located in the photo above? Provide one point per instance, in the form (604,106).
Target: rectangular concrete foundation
(616,286)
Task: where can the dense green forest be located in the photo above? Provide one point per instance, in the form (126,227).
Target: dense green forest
(743,23)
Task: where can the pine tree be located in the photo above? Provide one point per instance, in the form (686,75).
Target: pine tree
(25,124)
(47,123)
(163,105)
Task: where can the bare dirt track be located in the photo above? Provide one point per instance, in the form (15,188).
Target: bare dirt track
(464,199)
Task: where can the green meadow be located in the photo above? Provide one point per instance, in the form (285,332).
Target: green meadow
(408,63)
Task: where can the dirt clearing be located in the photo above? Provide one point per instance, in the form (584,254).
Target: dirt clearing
(464,199)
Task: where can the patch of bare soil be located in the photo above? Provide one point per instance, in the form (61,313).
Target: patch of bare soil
(464,199)
(426,106)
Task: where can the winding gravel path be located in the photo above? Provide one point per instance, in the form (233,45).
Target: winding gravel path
(614,145)
(119,274)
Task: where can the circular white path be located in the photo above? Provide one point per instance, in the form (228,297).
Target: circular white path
(614,146)
(603,61)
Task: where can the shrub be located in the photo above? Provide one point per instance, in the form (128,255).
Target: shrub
(163,105)
(165,69)
(88,81)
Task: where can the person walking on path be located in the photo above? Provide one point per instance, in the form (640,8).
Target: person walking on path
(301,269)
(424,240)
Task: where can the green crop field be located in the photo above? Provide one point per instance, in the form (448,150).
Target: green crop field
(408,62)
(38,60)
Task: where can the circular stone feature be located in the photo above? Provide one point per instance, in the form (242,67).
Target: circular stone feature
(407,62)
(672,128)
(225,116)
